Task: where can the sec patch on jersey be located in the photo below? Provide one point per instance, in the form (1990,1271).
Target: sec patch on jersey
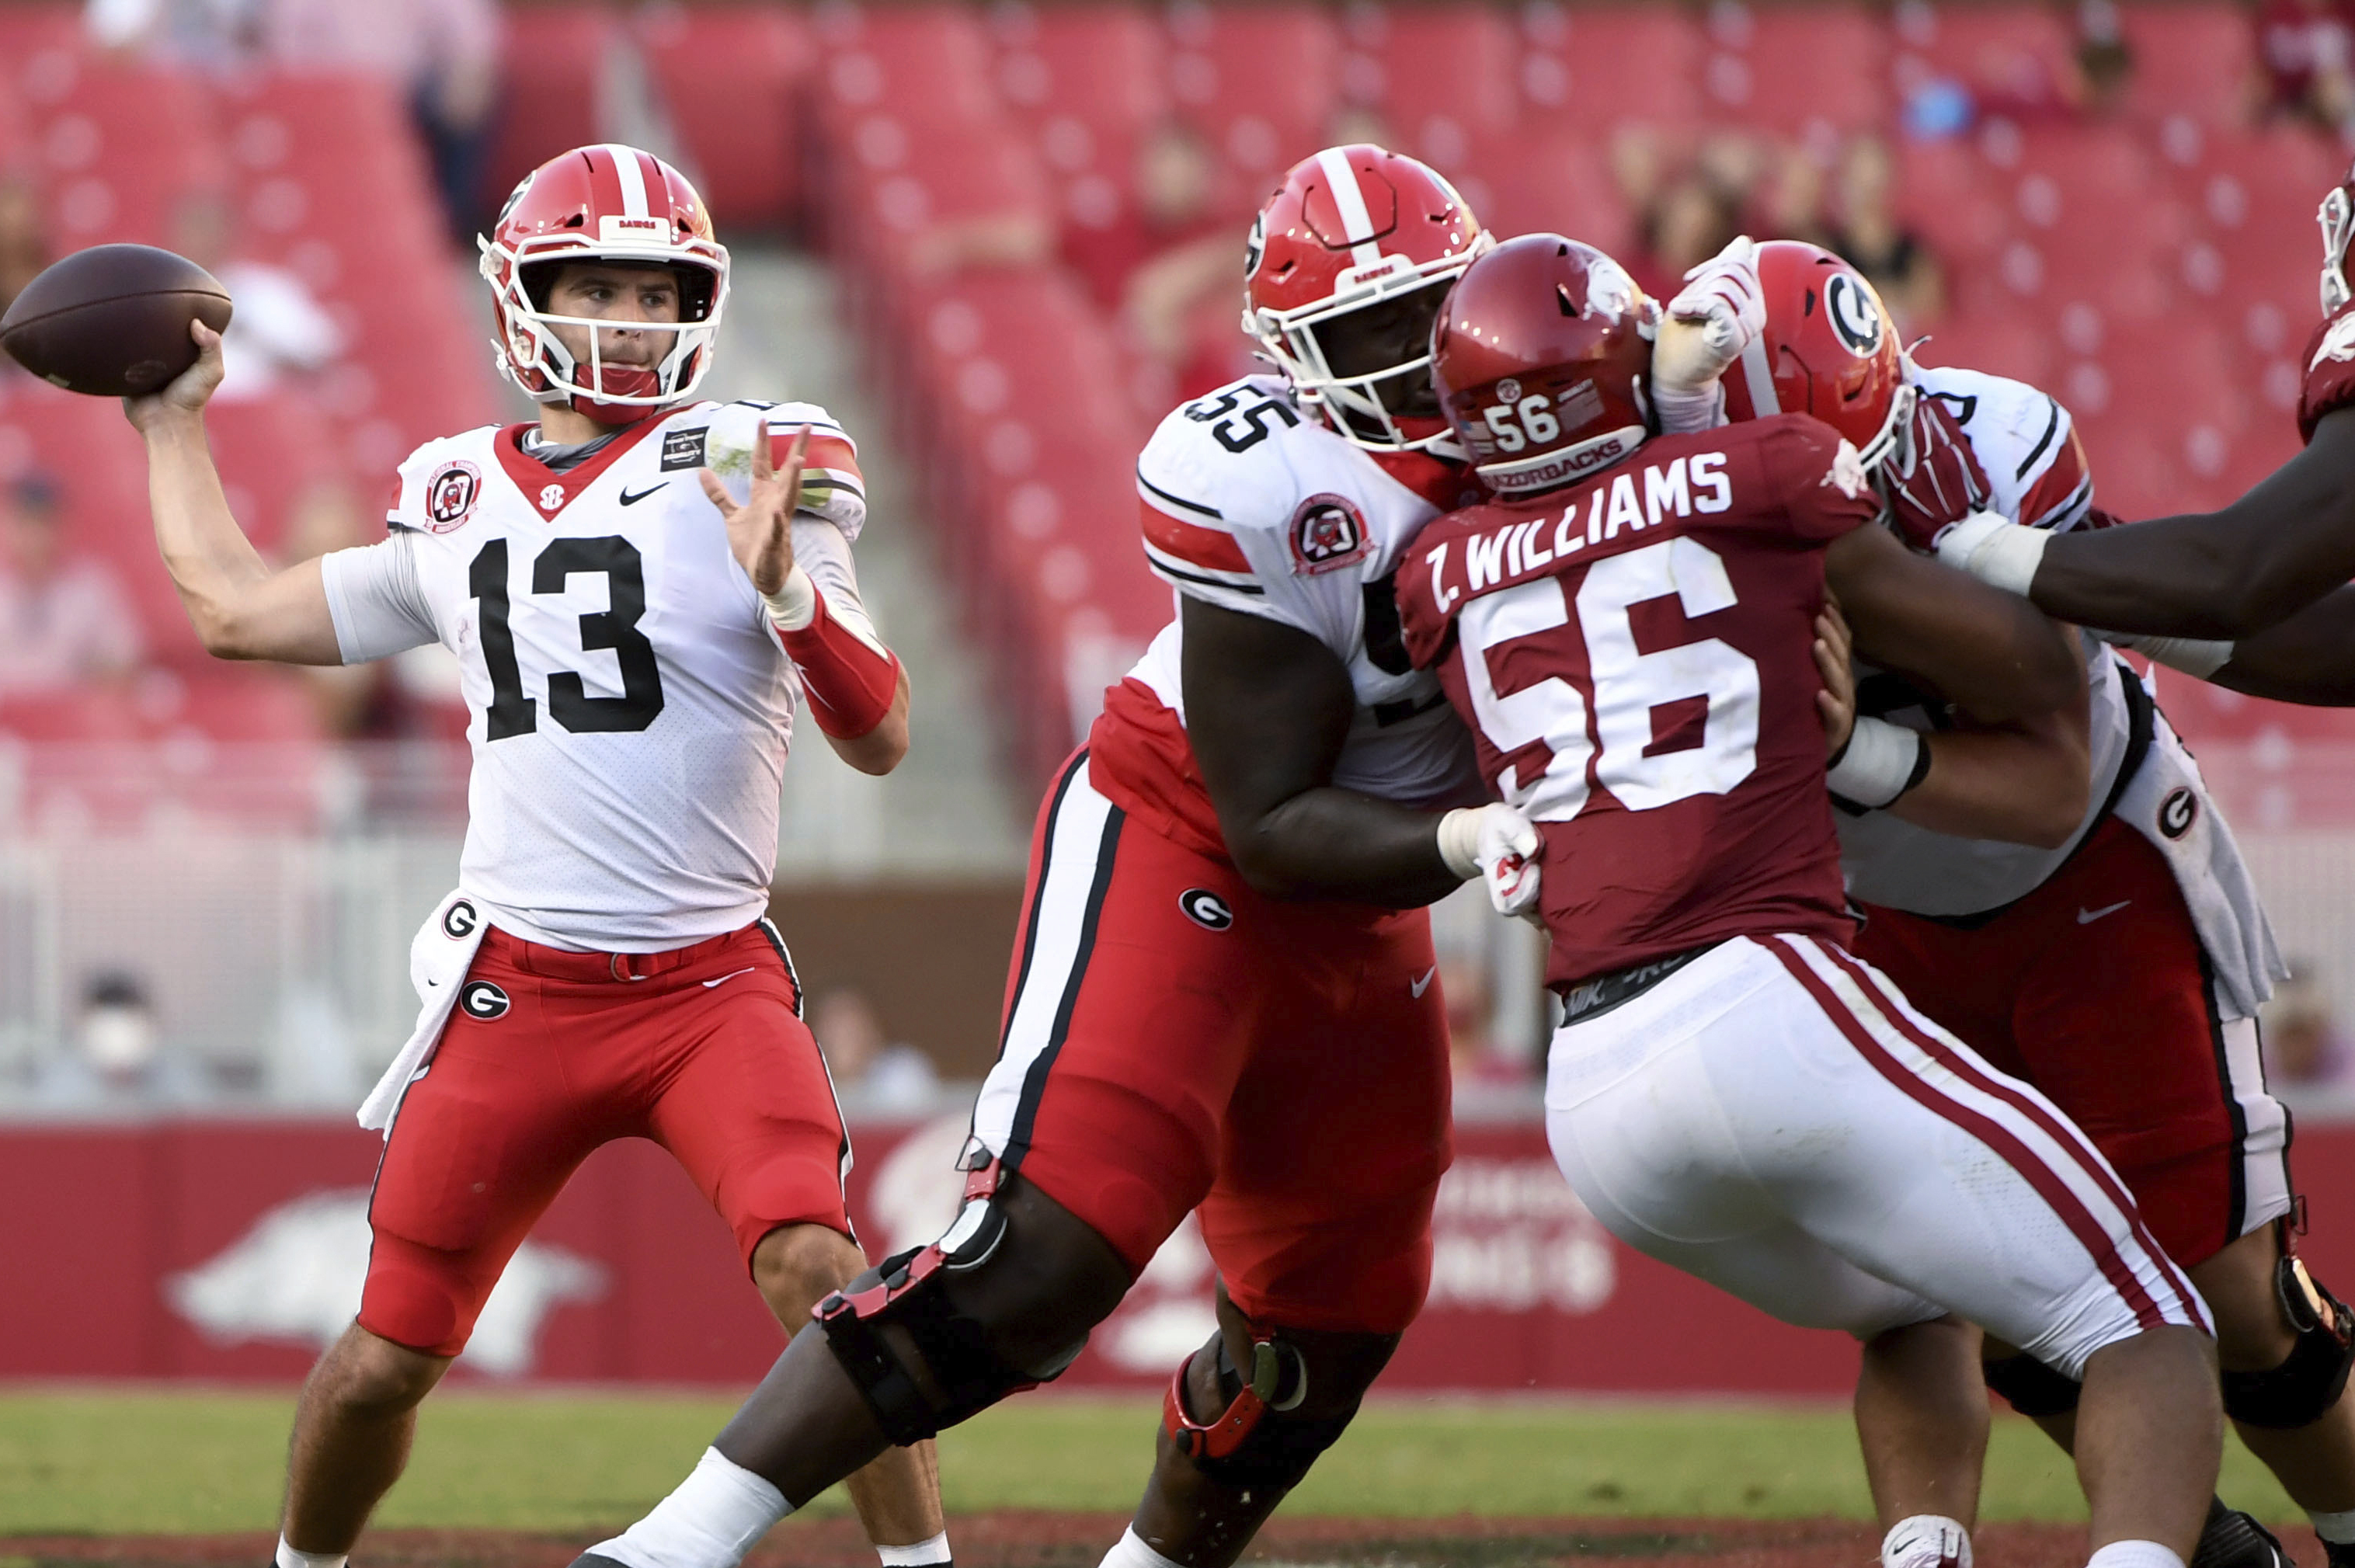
(1328,533)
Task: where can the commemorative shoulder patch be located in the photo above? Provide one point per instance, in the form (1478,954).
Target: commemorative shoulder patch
(450,495)
(1328,533)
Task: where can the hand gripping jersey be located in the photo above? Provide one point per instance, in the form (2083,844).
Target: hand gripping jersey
(630,705)
(1634,656)
(1250,505)
(2036,474)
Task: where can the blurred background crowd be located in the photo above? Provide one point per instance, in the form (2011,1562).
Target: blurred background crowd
(1002,240)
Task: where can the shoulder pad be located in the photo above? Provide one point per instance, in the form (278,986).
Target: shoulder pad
(1229,460)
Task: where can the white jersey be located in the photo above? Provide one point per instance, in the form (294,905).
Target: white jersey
(1253,505)
(2036,474)
(629,702)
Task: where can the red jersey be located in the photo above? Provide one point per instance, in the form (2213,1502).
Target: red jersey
(1633,655)
(2330,370)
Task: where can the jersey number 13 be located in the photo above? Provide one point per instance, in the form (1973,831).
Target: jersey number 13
(1629,688)
(615,627)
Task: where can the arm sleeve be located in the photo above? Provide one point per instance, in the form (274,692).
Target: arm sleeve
(825,554)
(374,599)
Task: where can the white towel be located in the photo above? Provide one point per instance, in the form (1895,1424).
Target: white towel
(439,957)
(2168,803)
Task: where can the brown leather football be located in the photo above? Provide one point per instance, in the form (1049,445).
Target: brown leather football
(113,321)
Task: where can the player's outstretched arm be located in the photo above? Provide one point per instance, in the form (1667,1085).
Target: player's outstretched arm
(2309,658)
(2211,574)
(241,608)
(1267,708)
(1990,654)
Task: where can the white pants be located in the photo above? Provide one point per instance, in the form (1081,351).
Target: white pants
(1773,1118)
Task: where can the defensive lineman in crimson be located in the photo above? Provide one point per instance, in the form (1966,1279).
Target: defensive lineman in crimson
(636,640)
(1626,629)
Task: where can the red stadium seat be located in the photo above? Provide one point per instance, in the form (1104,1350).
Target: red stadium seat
(2013,57)
(117,147)
(1260,83)
(550,66)
(926,64)
(731,78)
(1798,69)
(2188,59)
(1596,69)
(1441,76)
(1562,185)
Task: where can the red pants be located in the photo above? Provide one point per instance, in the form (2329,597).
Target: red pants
(2095,989)
(1174,1042)
(554,1054)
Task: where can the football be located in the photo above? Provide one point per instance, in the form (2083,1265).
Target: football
(113,321)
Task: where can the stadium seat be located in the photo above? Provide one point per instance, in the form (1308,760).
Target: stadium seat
(551,66)
(1260,83)
(1598,68)
(2013,57)
(1441,76)
(927,64)
(2188,59)
(730,77)
(1797,70)
(1560,183)
(117,147)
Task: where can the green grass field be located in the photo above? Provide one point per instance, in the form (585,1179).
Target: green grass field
(130,1463)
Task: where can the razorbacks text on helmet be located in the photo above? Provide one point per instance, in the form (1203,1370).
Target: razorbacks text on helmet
(630,703)
(1250,503)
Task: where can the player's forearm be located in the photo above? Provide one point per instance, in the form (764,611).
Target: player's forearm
(2013,787)
(1330,843)
(881,749)
(2218,574)
(2309,658)
(212,564)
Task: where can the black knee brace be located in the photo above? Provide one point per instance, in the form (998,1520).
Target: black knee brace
(2033,1388)
(1258,1440)
(958,1374)
(2302,1388)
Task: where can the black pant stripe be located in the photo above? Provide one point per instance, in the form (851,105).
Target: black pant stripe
(1034,1082)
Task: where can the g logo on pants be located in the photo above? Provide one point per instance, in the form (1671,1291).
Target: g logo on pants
(481,999)
(1205,909)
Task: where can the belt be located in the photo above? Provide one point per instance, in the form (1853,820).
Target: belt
(555,964)
(1590,998)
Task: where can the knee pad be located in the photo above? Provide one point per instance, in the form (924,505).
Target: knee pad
(957,1374)
(2309,1383)
(2033,1388)
(1258,1440)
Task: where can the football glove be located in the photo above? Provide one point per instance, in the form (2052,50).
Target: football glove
(1720,312)
(1498,845)
(1932,480)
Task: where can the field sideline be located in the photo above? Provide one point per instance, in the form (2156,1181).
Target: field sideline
(154,1462)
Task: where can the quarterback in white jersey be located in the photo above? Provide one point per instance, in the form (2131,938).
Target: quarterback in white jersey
(1224,1000)
(635,633)
(2066,898)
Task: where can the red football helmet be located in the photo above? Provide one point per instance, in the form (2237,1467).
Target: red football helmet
(1829,350)
(1540,358)
(1349,229)
(612,203)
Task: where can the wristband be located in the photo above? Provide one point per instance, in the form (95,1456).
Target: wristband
(1998,553)
(1880,762)
(2193,656)
(1459,841)
(795,604)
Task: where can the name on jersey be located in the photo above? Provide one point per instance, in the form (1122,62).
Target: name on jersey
(450,495)
(683,448)
(1632,502)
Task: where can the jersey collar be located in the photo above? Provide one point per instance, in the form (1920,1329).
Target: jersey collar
(548,491)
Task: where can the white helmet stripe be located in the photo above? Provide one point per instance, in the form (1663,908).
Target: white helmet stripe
(633,178)
(1758,378)
(1357,223)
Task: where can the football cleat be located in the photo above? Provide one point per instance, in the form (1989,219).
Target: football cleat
(2230,1539)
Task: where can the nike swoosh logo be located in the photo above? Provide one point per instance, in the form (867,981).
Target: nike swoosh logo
(730,976)
(1420,986)
(2088,916)
(630,500)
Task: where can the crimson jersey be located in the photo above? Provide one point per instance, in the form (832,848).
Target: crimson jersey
(2330,370)
(1633,655)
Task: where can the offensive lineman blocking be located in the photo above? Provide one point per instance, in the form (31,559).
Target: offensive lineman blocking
(634,641)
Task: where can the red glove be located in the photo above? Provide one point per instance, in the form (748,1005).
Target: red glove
(1932,480)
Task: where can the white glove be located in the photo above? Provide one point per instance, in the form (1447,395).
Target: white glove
(1498,845)
(1720,312)
(1995,550)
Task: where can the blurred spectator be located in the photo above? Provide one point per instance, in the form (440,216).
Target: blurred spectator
(115,1060)
(2104,59)
(1683,216)
(872,1073)
(278,326)
(65,620)
(2305,1052)
(2302,62)
(24,242)
(1878,243)
(443,55)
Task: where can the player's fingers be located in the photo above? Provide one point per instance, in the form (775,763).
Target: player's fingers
(763,467)
(206,338)
(796,457)
(717,490)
